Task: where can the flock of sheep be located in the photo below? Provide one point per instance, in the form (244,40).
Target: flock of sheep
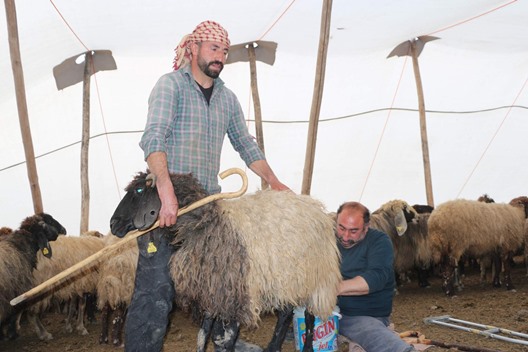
(270,231)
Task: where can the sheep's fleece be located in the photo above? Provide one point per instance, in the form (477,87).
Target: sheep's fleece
(257,253)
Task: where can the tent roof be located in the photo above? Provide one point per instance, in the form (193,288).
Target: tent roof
(368,145)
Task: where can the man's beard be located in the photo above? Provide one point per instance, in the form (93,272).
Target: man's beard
(346,244)
(205,67)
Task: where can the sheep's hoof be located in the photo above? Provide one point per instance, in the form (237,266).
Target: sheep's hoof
(46,337)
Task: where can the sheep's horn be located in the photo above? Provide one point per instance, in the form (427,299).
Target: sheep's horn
(151,180)
(132,235)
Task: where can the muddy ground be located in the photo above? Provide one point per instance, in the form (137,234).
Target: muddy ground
(476,303)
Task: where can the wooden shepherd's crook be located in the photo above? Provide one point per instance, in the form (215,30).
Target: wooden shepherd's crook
(132,235)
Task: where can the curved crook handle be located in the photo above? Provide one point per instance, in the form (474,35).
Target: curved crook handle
(131,235)
(227,195)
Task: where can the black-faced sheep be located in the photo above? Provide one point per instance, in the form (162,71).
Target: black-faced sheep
(466,226)
(236,259)
(18,258)
(423,208)
(67,251)
(115,288)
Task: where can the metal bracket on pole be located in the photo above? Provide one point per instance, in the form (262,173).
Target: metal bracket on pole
(480,329)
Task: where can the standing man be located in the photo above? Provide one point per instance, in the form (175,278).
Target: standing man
(190,112)
(366,292)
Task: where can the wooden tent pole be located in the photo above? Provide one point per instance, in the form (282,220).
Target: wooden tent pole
(423,126)
(85,141)
(256,103)
(317,96)
(20,90)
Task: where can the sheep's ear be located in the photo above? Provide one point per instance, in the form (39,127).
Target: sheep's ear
(48,233)
(400,222)
(151,180)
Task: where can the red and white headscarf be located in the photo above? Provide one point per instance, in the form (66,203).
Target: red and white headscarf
(207,31)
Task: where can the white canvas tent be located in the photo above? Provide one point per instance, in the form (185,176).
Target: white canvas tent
(368,145)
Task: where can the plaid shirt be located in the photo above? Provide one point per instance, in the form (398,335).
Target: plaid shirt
(191,132)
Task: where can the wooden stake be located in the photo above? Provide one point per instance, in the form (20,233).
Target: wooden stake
(317,96)
(423,126)
(85,141)
(20,90)
(256,103)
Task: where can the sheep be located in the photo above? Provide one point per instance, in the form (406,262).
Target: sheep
(237,259)
(518,202)
(487,260)
(5,231)
(18,258)
(115,288)
(415,250)
(393,218)
(68,251)
(464,226)
(423,208)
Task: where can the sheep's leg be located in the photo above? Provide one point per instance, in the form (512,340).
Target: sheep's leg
(91,307)
(496,262)
(284,320)
(105,317)
(483,270)
(41,331)
(204,333)
(81,308)
(526,257)
(12,331)
(447,269)
(423,274)
(506,260)
(309,319)
(71,311)
(225,335)
(117,324)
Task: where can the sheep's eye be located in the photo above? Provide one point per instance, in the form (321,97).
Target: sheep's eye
(139,190)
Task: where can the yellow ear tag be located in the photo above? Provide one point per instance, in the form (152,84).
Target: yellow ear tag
(151,248)
(45,251)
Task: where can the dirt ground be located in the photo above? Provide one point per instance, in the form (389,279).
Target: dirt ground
(476,303)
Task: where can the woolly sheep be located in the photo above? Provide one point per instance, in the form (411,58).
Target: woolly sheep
(259,253)
(115,288)
(18,258)
(476,228)
(5,231)
(491,260)
(414,251)
(518,202)
(393,218)
(68,251)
